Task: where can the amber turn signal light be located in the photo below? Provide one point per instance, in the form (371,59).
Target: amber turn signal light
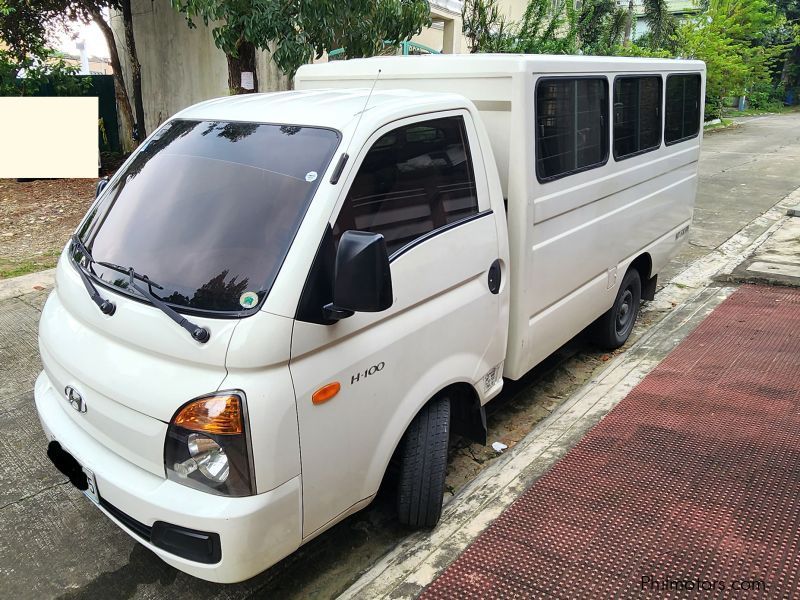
(326,392)
(213,414)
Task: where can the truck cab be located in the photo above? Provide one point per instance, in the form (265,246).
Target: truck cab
(301,242)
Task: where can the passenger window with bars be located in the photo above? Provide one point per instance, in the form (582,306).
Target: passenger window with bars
(571,125)
(682,118)
(637,115)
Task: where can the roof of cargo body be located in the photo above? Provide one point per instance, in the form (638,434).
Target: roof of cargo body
(320,108)
(476,65)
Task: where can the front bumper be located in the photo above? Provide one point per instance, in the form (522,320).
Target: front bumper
(255,532)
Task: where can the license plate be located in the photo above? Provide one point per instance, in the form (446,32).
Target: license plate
(79,475)
(91,491)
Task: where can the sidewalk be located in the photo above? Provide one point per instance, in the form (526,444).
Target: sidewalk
(689,486)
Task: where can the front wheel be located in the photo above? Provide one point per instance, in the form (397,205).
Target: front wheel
(614,328)
(423,465)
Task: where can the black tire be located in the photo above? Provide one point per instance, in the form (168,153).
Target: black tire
(614,328)
(423,465)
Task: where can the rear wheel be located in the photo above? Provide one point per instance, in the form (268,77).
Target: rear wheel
(423,465)
(614,328)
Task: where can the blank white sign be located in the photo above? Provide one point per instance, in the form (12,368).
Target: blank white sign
(48,137)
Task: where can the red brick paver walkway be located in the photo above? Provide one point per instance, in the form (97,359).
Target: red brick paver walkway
(693,478)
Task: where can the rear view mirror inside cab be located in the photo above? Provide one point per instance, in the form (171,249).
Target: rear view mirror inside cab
(363,279)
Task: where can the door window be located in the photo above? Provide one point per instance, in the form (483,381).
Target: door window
(414,180)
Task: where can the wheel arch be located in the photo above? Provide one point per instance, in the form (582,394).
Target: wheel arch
(468,417)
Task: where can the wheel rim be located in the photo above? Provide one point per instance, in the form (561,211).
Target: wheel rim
(625,312)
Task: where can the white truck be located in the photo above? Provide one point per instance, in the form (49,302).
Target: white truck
(352,270)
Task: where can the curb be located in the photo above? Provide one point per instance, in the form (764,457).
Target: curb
(27,284)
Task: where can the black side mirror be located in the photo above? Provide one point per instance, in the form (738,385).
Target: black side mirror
(101,185)
(363,278)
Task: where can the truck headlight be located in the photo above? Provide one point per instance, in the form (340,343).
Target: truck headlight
(208,445)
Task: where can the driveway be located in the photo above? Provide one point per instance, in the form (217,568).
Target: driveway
(55,544)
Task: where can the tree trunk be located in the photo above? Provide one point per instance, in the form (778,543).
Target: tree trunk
(628,25)
(121,93)
(244,62)
(136,68)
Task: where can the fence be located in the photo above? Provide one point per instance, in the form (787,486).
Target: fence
(102,86)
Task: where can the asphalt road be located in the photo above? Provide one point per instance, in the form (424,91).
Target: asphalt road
(55,544)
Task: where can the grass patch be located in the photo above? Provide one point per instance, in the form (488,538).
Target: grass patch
(25,267)
(754,112)
(723,123)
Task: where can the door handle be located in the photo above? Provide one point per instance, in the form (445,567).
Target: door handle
(494,277)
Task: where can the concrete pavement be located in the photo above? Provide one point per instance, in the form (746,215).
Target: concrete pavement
(743,172)
(55,544)
(777,260)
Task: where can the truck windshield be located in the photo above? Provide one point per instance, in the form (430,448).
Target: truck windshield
(208,209)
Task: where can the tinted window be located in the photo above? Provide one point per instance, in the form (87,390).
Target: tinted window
(209,209)
(571,125)
(413,180)
(637,115)
(682,119)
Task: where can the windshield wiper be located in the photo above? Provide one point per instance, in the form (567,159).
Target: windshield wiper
(127,270)
(106,306)
(200,334)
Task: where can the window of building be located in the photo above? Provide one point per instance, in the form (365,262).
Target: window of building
(637,115)
(571,125)
(414,180)
(682,118)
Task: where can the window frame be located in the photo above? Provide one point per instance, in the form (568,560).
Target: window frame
(478,172)
(700,112)
(608,130)
(661,116)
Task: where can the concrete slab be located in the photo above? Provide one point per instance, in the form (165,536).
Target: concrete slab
(794,211)
(774,269)
(777,260)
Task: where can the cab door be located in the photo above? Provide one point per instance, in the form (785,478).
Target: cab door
(414,182)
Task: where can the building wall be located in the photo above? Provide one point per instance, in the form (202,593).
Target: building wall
(513,9)
(180,66)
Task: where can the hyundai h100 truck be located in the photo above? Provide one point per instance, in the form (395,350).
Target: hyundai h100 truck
(277,294)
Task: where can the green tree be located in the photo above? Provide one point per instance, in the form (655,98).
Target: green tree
(481,22)
(295,32)
(27,26)
(790,71)
(600,26)
(44,69)
(546,27)
(662,25)
(733,38)
(27,63)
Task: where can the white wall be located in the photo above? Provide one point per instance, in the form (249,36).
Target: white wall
(180,66)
